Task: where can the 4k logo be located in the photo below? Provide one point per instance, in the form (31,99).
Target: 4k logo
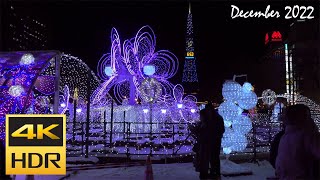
(40,132)
(36,144)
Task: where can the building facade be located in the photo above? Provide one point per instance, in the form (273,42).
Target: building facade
(292,66)
(21,31)
(272,64)
(303,50)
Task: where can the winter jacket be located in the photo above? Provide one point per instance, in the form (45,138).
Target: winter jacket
(212,126)
(298,149)
(274,148)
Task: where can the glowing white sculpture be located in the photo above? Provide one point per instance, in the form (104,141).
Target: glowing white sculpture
(247,87)
(231,90)
(236,98)
(227,123)
(27,59)
(227,141)
(229,110)
(16,90)
(242,124)
(247,100)
(240,142)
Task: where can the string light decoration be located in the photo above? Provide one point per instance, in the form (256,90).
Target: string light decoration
(128,60)
(168,137)
(16,90)
(247,87)
(314,107)
(277,110)
(27,59)
(18,93)
(184,107)
(247,100)
(150,90)
(237,98)
(74,74)
(190,68)
(269,97)
(229,111)
(231,90)
(133,70)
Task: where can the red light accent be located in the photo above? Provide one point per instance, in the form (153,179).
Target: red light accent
(276,36)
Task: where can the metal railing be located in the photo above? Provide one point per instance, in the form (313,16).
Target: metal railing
(124,138)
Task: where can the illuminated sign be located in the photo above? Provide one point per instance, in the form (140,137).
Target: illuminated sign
(276,36)
(36,144)
(190,54)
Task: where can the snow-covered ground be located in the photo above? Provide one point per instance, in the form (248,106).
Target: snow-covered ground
(175,171)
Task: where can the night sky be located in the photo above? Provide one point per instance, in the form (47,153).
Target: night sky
(223,46)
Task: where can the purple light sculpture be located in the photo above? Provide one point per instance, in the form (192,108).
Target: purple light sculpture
(128,62)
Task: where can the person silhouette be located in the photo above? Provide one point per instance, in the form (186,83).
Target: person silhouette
(299,147)
(212,129)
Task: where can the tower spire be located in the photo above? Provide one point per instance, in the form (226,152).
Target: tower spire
(190,77)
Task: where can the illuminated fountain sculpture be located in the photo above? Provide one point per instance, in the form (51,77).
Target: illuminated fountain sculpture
(128,64)
(148,109)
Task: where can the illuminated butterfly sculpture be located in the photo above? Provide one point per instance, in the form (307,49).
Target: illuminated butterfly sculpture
(128,64)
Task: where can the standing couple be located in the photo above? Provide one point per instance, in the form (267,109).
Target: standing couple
(211,132)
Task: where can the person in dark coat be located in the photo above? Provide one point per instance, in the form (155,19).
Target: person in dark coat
(275,143)
(274,148)
(212,129)
(299,147)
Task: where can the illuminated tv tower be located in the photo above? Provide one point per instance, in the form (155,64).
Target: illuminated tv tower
(190,77)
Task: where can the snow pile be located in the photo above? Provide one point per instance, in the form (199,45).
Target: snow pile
(230,168)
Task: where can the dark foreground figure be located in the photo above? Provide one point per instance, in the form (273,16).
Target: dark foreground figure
(212,129)
(299,148)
